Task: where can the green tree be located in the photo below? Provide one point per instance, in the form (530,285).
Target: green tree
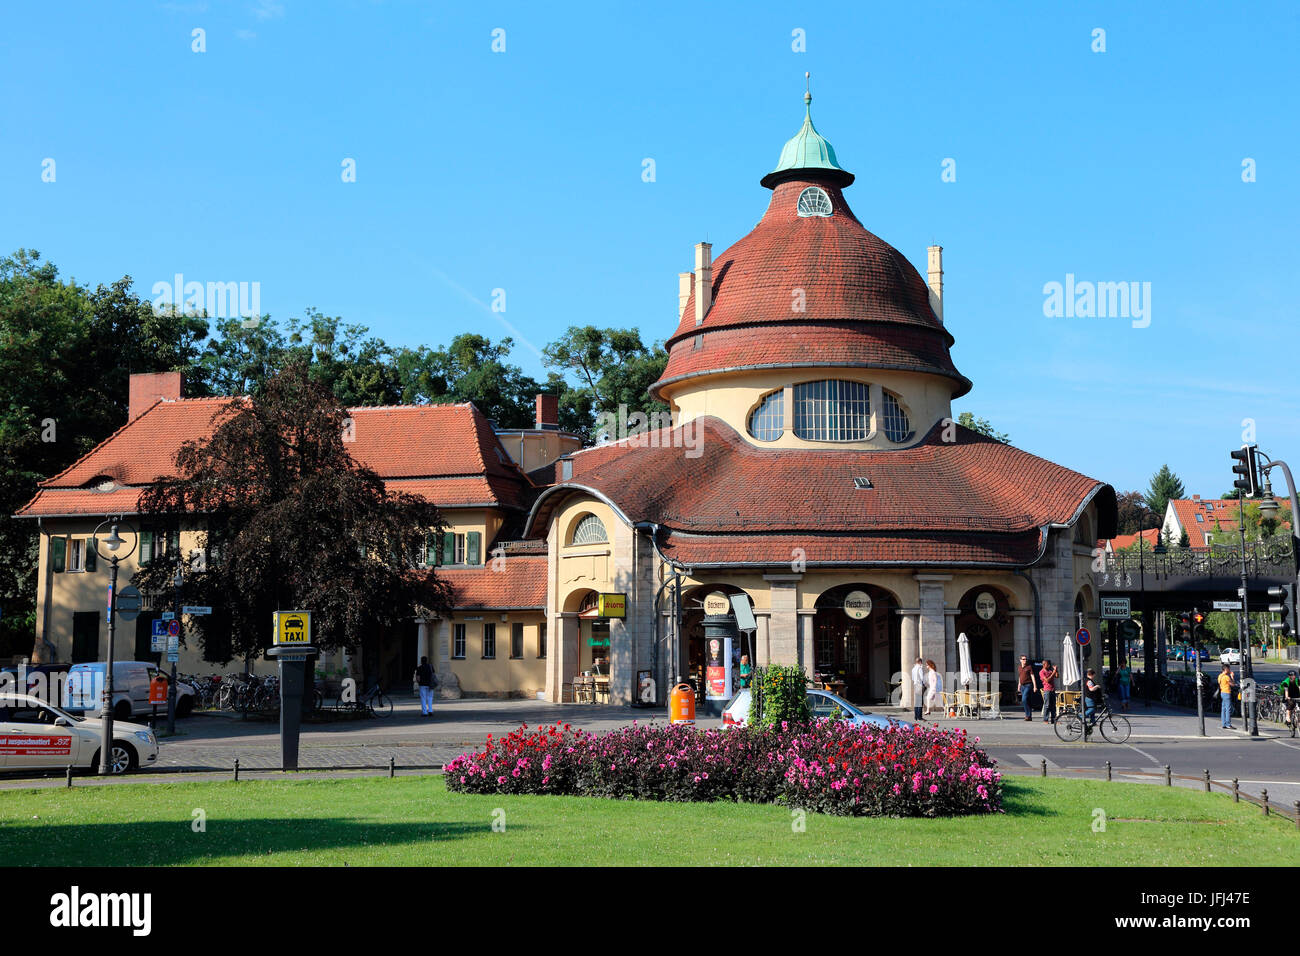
(469,369)
(292,522)
(981,425)
(604,369)
(1165,486)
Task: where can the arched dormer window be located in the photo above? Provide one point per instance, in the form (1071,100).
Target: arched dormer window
(896,424)
(832,410)
(590,530)
(767,421)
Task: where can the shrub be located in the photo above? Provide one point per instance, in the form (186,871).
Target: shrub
(827,766)
(780,695)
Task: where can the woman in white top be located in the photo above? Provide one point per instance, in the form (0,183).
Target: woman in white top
(933,687)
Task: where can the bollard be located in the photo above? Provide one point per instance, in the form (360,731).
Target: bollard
(1236,791)
(1044,766)
(1108,776)
(1169,779)
(1207,781)
(236,770)
(1297,814)
(1263,795)
(392,767)
(69,775)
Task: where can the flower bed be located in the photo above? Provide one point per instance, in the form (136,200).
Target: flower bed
(827,766)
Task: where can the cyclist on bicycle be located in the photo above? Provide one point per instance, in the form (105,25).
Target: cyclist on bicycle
(1094,696)
(1289,691)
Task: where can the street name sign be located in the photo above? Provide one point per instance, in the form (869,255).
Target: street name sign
(1227,605)
(196,609)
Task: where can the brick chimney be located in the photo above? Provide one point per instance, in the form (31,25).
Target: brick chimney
(703,280)
(684,280)
(548,412)
(934,273)
(148,387)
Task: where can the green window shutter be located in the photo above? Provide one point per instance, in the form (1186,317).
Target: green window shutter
(91,556)
(448,548)
(430,550)
(58,553)
(471,547)
(174,543)
(146,547)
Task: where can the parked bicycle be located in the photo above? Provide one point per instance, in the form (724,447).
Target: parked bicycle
(373,703)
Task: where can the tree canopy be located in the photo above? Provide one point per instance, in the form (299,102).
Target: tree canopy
(1165,485)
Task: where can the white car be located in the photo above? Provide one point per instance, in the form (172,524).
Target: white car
(35,735)
(822,703)
(84,689)
(1231,656)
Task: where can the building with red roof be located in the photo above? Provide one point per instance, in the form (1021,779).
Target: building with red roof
(811,500)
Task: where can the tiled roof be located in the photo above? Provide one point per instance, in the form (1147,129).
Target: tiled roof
(1212,510)
(1121,541)
(516,583)
(446,453)
(813,549)
(801,278)
(932,499)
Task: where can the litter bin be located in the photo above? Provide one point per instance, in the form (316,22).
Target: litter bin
(681,705)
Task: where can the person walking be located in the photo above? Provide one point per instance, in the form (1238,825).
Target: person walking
(1026,686)
(1226,683)
(918,688)
(425,678)
(933,687)
(1124,683)
(1048,676)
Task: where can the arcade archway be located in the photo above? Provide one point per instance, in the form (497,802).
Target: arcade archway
(857,642)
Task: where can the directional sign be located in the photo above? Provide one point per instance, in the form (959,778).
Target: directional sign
(293,627)
(196,609)
(167,615)
(129,602)
(1227,605)
(1082,636)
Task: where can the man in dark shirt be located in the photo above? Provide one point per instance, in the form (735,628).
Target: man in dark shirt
(1026,686)
(1094,695)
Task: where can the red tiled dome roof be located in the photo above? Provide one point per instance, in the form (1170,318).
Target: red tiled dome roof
(864,304)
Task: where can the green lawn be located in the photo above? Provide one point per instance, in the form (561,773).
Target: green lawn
(415,821)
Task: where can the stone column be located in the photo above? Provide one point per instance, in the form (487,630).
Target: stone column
(783,628)
(807,653)
(421,639)
(933,636)
(952,666)
(762,639)
(562,659)
(911,647)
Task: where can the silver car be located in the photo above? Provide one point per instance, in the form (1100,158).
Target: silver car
(822,703)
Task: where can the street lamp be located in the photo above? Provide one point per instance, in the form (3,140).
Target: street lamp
(114,543)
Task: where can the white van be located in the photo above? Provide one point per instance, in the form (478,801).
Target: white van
(84,690)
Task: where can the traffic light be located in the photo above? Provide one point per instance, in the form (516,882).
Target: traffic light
(1286,609)
(1198,619)
(1184,627)
(1247,466)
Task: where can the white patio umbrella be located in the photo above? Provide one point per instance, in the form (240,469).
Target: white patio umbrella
(1069,662)
(967,675)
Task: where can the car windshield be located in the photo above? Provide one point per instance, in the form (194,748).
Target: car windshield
(22,710)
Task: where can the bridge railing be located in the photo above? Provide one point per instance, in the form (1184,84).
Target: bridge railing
(1271,558)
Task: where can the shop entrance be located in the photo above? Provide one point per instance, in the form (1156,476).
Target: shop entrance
(857,642)
(693,631)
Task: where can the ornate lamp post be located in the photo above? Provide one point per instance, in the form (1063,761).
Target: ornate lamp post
(114,543)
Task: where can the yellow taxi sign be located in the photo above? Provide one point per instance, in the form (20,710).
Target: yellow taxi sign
(612,605)
(293,627)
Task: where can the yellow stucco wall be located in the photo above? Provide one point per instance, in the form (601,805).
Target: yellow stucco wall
(501,674)
(733,396)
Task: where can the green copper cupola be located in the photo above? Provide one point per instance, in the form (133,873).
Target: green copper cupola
(808,152)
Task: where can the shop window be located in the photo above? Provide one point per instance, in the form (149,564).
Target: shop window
(897,426)
(767,421)
(832,410)
(489,641)
(458,641)
(590,530)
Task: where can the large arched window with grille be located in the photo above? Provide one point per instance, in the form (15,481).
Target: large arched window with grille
(590,530)
(832,410)
(767,421)
(896,424)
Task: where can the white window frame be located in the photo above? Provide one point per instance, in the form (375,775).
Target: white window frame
(76,555)
(458,642)
(489,633)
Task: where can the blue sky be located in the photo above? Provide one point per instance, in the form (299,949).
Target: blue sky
(522,170)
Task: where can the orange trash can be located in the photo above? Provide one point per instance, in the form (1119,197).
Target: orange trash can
(681,705)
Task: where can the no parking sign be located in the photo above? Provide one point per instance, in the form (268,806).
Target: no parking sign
(1082,636)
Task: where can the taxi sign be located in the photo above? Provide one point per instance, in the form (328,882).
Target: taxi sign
(1082,636)
(293,627)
